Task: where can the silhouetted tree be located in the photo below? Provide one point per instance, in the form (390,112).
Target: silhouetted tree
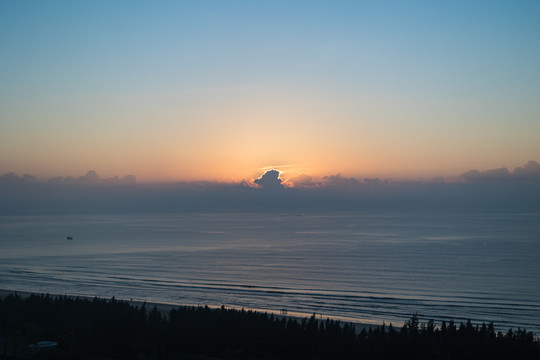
(114,329)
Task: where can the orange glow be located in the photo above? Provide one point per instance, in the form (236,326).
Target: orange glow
(234,139)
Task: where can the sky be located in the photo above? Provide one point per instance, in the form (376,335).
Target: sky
(225,90)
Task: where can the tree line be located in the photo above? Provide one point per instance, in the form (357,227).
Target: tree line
(111,329)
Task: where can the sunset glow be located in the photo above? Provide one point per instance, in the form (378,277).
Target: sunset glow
(215,91)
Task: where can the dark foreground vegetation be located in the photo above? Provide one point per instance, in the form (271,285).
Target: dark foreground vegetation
(111,329)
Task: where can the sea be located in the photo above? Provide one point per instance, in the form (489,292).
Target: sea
(359,267)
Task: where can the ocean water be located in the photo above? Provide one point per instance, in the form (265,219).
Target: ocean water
(357,267)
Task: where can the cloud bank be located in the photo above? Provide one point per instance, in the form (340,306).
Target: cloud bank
(474,190)
(526,174)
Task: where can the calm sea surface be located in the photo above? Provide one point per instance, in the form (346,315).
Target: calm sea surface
(361,267)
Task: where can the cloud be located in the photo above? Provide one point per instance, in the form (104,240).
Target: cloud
(302,181)
(12,178)
(126,180)
(531,168)
(375,181)
(339,181)
(526,174)
(56,180)
(91,177)
(270,180)
(439,179)
(204,185)
(492,175)
(517,190)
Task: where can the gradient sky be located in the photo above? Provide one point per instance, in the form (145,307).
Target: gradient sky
(217,90)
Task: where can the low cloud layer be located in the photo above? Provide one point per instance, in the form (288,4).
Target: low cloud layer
(340,181)
(12,178)
(489,190)
(90,178)
(526,174)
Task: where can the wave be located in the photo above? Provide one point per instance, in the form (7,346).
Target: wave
(356,268)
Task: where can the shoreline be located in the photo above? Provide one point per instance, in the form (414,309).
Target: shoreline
(165,307)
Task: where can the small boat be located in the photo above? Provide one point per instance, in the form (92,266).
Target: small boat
(69,238)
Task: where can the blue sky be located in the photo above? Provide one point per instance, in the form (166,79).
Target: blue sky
(218,90)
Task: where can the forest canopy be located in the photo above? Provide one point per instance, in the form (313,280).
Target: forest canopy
(112,329)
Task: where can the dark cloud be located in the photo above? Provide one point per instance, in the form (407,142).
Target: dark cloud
(92,178)
(203,185)
(492,175)
(491,190)
(12,178)
(531,168)
(56,180)
(375,181)
(527,174)
(126,180)
(439,179)
(339,181)
(270,180)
